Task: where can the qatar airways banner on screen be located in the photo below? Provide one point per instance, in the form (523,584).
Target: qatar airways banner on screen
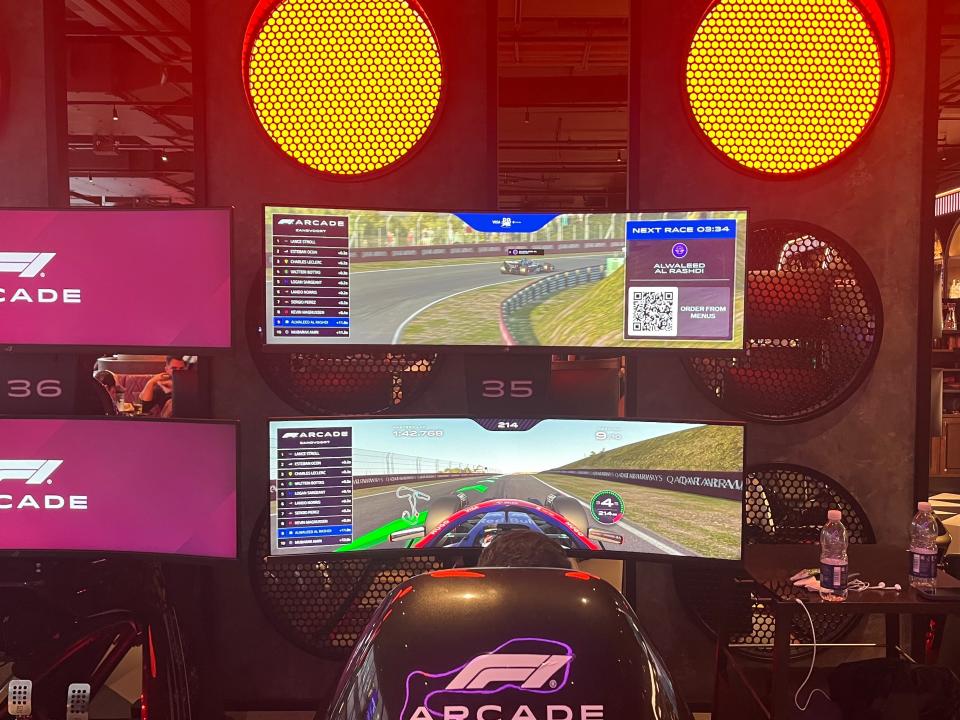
(121,278)
(121,485)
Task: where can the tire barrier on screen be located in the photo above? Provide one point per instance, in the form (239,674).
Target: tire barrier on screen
(813,327)
(783,505)
(337,381)
(321,603)
(537,292)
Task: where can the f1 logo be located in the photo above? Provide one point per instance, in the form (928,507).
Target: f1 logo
(27,265)
(35,472)
(533,671)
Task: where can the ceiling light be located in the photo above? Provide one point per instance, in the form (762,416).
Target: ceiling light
(116,115)
(163,156)
(90,178)
(526,116)
(619,156)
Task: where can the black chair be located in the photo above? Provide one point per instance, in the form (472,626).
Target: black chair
(783,504)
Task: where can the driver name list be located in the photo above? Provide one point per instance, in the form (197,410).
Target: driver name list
(314,487)
(311,275)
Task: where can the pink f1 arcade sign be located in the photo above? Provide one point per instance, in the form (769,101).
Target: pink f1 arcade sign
(115,278)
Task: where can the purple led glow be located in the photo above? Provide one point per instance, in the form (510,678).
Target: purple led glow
(566,649)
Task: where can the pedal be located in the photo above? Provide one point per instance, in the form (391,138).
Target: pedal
(20,698)
(78,701)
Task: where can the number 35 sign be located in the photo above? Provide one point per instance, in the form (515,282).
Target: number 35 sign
(508,385)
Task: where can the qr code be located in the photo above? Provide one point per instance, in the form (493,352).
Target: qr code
(652,311)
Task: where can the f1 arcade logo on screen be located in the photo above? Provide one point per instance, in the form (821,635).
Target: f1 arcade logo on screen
(27,265)
(36,472)
(31,265)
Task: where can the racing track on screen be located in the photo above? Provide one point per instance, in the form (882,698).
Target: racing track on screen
(375,509)
(383,302)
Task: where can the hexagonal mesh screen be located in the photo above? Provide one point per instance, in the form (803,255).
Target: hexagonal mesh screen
(783,504)
(345,384)
(347,87)
(338,382)
(321,603)
(786,87)
(813,326)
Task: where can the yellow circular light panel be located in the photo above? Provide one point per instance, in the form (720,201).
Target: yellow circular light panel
(346,87)
(786,86)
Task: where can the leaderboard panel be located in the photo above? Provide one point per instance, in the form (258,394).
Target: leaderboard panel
(576,280)
(310,293)
(312,480)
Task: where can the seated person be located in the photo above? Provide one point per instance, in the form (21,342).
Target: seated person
(523,548)
(109,381)
(159,389)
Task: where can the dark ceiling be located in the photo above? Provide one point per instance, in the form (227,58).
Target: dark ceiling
(562,116)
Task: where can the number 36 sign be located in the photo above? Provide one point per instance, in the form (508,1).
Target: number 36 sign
(36,385)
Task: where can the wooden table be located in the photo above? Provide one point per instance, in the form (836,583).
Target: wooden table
(770,567)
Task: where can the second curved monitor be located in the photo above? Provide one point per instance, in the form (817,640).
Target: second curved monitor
(453,483)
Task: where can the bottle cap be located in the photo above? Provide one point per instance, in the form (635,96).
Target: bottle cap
(833,515)
(924,507)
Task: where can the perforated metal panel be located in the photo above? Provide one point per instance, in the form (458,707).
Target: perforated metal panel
(322,603)
(346,87)
(813,326)
(335,381)
(355,383)
(787,87)
(788,504)
(783,504)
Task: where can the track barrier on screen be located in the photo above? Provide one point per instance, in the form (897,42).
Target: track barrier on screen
(538,291)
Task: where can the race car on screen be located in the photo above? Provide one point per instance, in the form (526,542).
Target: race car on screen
(450,522)
(526,267)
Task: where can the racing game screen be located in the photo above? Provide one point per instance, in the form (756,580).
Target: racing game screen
(425,483)
(614,280)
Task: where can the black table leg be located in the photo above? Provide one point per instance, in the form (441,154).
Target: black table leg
(721,678)
(892,635)
(918,637)
(780,683)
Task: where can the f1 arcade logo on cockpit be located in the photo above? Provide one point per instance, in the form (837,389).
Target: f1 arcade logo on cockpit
(486,687)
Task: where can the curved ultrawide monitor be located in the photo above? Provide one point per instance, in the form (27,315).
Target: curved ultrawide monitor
(605,487)
(583,281)
(156,487)
(109,278)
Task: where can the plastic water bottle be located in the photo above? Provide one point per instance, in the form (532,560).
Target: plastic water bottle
(923,548)
(833,558)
